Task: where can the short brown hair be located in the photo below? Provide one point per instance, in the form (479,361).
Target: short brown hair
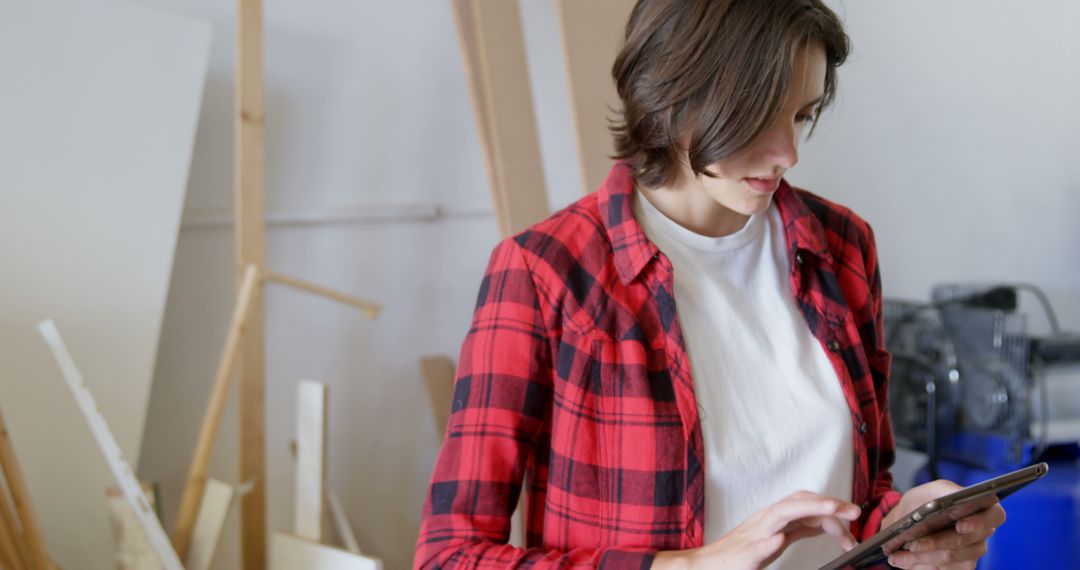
(716,70)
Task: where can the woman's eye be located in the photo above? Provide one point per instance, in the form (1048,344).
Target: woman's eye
(803,118)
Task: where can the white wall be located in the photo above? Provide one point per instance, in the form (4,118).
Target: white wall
(957,135)
(367,104)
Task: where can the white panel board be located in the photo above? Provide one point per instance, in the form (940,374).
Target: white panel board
(289,552)
(214,509)
(310,460)
(97,120)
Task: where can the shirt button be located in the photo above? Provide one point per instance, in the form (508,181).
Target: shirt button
(866,505)
(798,258)
(862,428)
(833,345)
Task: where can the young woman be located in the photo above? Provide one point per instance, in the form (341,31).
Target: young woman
(685,369)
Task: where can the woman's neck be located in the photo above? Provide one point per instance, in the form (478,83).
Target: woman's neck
(688,204)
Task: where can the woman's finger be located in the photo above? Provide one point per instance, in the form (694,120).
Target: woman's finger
(937,558)
(840,531)
(948,539)
(991,517)
(780,515)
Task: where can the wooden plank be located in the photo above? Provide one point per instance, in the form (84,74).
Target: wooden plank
(215,408)
(371,309)
(20,496)
(13,550)
(291,552)
(250,248)
(499,82)
(438,374)
(123,473)
(466,32)
(341,524)
(592,31)
(310,461)
(216,502)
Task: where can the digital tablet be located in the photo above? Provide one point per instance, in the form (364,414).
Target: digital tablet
(934,516)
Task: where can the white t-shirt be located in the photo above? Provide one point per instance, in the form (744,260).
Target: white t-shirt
(773,414)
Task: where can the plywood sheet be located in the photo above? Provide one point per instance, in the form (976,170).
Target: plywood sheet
(99,109)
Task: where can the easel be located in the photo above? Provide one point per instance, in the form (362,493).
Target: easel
(245,343)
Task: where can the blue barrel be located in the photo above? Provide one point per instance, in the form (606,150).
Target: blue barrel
(1042,529)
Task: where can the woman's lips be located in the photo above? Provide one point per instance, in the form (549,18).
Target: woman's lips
(763,185)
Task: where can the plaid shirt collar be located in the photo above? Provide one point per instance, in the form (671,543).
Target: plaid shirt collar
(633,251)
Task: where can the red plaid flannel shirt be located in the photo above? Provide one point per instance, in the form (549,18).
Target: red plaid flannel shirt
(574,381)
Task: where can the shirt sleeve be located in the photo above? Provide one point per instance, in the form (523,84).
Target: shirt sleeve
(883,497)
(502,397)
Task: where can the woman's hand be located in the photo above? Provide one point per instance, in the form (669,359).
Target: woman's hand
(956,548)
(767,533)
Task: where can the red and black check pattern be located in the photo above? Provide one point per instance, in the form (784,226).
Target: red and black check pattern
(574,380)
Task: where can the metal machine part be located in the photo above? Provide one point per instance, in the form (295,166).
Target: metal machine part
(969,384)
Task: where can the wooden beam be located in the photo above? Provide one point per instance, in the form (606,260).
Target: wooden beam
(250,249)
(371,309)
(215,408)
(310,461)
(493,47)
(592,31)
(14,552)
(20,496)
(121,470)
(438,374)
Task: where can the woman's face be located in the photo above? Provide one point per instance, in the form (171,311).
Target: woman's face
(745,183)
